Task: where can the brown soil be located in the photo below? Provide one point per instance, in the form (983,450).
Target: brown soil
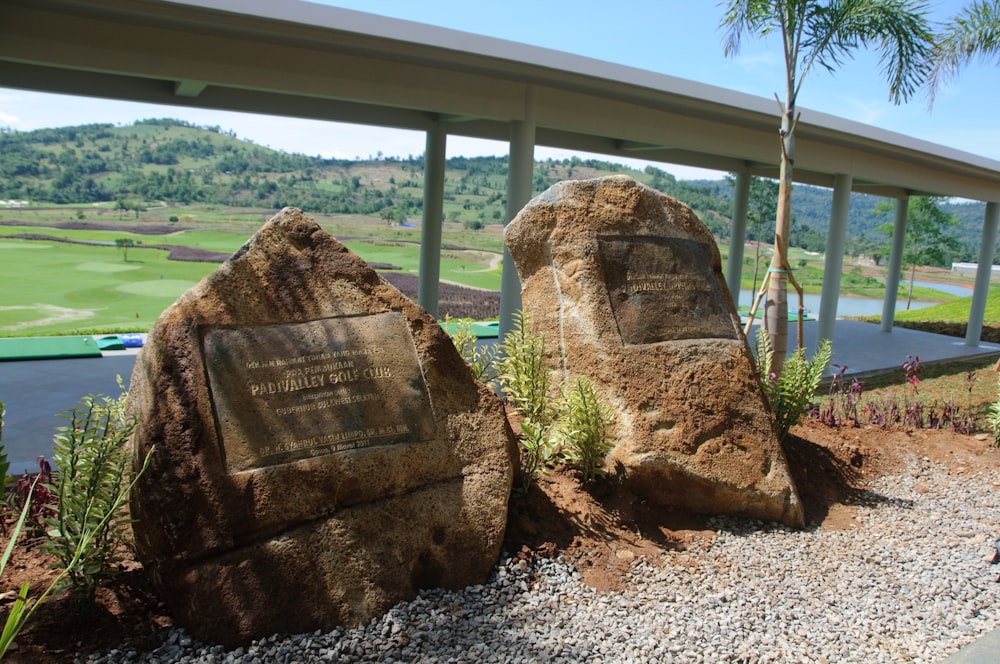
(601,530)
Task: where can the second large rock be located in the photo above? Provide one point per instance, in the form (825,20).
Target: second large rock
(626,286)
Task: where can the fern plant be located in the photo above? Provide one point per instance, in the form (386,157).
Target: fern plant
(791,393)
(993,417)
(524,378)
(538,450)
(89,525)
(24,606)
(582,430)
(481,358)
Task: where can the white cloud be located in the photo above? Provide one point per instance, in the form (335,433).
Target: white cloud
(861,110)
(8,119)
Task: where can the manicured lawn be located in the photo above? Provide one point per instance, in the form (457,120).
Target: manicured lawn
(956,311)
(60,287)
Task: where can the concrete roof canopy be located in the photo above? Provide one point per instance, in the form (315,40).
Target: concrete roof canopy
(299,59)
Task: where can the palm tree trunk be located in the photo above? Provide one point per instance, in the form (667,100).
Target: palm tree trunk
(913,275)
(756,263)
(776,304)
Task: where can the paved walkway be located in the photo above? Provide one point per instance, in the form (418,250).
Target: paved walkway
(864,349)
(984,650)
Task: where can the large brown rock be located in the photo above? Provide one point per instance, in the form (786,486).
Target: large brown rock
(626,286)
(322,452)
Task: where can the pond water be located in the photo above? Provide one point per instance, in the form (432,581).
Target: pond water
(951,289)
(863,306)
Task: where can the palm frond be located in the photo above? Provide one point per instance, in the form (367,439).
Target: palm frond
(897,29)
(975,32)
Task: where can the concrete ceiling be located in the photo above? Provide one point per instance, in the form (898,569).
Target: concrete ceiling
(298,59)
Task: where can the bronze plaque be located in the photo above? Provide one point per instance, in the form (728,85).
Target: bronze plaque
(664,289)
(287,392)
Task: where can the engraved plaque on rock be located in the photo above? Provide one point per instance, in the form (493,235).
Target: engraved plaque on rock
(287,392)
(663,289)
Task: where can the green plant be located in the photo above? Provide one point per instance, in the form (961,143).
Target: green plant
(24,606)
(89,524)
(993,417)
(582,430)
(481,358)
(575,430)
(791,394)
(32,492)
(4,461)
(538,449)
(19,610)
(523,375)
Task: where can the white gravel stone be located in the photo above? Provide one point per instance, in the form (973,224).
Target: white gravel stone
(909,581)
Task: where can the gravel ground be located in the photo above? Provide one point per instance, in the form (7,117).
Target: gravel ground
(910,581)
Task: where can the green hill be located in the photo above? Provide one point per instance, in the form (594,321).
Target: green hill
(165,161)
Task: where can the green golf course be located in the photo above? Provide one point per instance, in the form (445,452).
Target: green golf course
(57,285)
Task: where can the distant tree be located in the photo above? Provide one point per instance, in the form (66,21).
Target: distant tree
(823,33)
(973,32)
(928,235)
(125,243)
(128,204)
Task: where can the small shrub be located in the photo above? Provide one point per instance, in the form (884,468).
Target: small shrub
(993,417)
(524,378)
(89,524)
(575,430)
(24,606)
(791,394)
(911,371)
(481,358)
(842,406)
(884,411)
(582,430)
(538,450)
(33,494)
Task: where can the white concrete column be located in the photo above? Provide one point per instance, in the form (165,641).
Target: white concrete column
(895,264)
(834,266)
(738,235)
(982,287)
(429,276)
(520,178)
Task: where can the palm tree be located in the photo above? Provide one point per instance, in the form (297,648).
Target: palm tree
(824,33)
(975,31)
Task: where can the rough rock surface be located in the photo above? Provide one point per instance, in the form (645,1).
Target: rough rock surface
(322,452)
(626,286)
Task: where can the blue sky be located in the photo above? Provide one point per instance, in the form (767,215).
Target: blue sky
(676,37)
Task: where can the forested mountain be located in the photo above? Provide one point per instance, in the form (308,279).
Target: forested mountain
(183,164)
